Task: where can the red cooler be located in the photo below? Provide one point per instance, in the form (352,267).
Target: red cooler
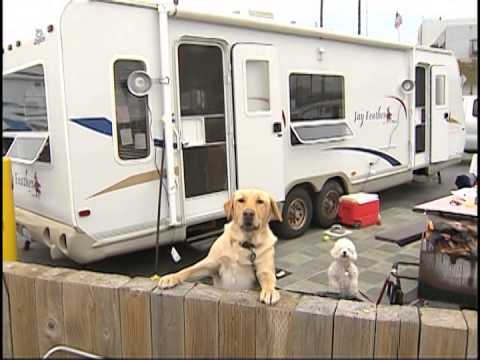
(360,209)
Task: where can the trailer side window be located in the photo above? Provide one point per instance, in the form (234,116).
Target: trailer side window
(475,108)
(6,143)
(317,109)
(440,90)
(131,113)
(316,97)
(24,116)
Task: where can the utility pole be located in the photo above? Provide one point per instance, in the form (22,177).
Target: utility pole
(321,13)
(359,17)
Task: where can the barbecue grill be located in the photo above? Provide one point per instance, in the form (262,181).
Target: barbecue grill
(447,267)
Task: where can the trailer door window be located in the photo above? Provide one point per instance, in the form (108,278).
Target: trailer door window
(131,114)
(258,86)
(420,110)
(202,104)
(440,90)
(25,118)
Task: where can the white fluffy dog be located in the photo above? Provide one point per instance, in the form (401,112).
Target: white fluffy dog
(342,273)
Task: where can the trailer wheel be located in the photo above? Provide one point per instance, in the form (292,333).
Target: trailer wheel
(326,204)
(297,215)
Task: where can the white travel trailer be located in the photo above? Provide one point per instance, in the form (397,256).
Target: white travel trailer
(234,102)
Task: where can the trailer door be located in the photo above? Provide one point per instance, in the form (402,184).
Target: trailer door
(440,114)
(258,118)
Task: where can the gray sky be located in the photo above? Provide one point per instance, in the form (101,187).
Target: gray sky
(21,17)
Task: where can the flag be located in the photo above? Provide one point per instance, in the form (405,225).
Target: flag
(398,20)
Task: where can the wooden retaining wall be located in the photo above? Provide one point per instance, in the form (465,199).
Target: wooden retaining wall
(118,316)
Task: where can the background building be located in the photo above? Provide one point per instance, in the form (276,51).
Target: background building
(460,36)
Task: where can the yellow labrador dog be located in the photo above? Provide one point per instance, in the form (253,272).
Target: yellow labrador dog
(244,252)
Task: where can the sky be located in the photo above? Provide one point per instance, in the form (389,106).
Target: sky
(21,17)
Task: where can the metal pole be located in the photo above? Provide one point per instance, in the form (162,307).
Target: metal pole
(359,17)
(9,240)
(166,98)
(321,13)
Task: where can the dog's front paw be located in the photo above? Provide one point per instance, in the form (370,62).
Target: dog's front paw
(169,281)
(269,297)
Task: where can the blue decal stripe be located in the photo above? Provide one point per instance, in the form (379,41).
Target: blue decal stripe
(98,124)
(386,157)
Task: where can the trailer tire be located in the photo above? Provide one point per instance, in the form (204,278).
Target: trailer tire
(326,204)
(297,215)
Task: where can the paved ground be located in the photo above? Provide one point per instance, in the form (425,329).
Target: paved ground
(307,257)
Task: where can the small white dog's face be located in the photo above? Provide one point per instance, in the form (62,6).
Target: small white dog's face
(344,250)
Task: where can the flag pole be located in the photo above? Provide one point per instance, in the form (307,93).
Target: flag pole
(366,18)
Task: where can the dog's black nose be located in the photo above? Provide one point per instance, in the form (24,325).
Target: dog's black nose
(248,214)
(344,253)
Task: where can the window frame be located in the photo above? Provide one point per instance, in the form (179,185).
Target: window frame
(115,138)
(318,122)
(32,134)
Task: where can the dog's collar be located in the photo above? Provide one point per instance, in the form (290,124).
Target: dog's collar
(249,246)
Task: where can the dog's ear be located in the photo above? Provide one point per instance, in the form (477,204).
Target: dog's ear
(354,253)
(354,256)
(333,252)
(228,207)
(275,211)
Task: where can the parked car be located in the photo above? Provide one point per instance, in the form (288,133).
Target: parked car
(470,106)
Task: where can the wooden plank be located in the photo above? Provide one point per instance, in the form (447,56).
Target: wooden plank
(92,312)
(78,305)
(6,325)
(311,333)
(387,332)
(168,321)
(136,317)
(354,330)
(273,326)
(20,283)
(49,299)
(107,330)
(472,341)
(409,332)
(443,333)
(237,311)
(201,321)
